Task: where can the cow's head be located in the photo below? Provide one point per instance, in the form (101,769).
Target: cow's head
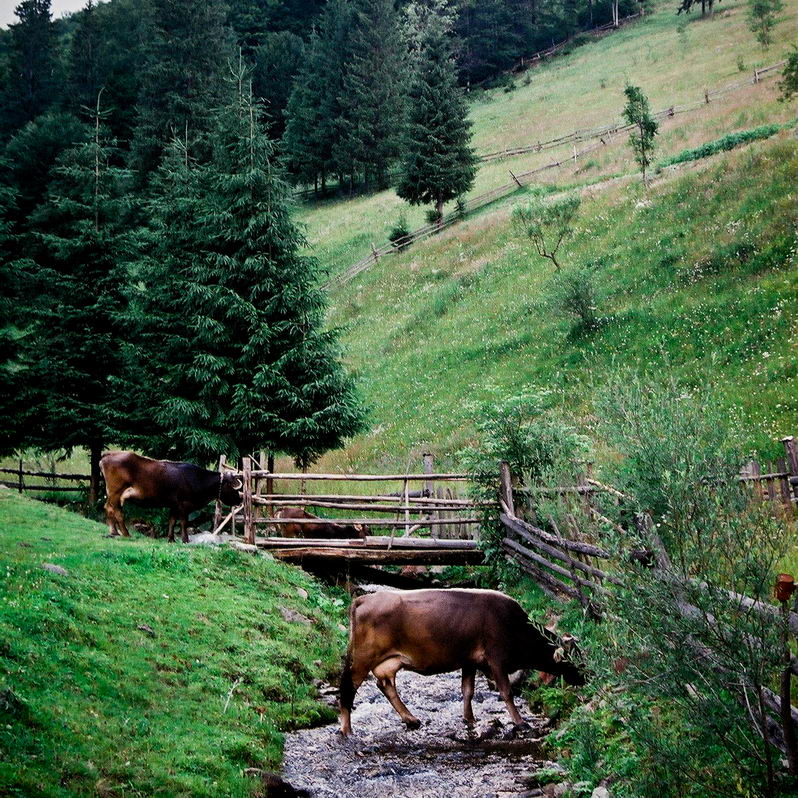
(230,488)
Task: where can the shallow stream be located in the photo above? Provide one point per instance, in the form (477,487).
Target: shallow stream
(442,759)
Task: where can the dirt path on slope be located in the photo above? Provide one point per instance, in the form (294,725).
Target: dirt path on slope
(442,759)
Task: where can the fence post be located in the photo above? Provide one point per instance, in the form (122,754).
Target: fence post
(506,487)
(785,589)
(21,481)
(249,521)
(217,513)
(791,452)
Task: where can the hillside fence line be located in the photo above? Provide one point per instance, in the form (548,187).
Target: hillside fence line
(602,137)
(526,62)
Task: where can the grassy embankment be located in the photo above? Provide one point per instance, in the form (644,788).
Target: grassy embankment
(673,58)
(149,669)
(696,278)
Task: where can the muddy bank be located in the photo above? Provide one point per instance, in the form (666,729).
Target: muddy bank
(442,759)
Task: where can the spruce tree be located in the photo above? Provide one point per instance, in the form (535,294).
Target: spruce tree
(184,79)
(67,353)
(438,163)
(32,67)
(303,154)
(229,313)
(312,129)
(373,94)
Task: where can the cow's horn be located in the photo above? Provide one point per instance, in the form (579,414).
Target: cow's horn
(239,485)
(559,654)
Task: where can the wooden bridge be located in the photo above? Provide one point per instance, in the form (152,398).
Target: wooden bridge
(427,519)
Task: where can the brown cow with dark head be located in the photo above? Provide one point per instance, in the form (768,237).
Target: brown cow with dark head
(322,529)
(437,631)
(182,487)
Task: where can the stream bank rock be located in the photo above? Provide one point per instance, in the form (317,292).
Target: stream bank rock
(442,759)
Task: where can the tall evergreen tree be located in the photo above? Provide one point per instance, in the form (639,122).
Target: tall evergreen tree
(277,61)
(229,314)
(33,66)
(438,163)
(184,79)
(68,349)
(312,130)
(84,78)
(373,93)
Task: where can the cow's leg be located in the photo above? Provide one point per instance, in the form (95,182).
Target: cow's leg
(183,527)
(111,515)
(354,674)
(505,691)
(469,674)
(171,535)
(386,681)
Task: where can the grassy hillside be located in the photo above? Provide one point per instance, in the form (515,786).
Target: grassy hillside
(149,669)
(673,58)
(695,278)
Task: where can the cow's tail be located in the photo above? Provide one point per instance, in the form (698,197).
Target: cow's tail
(346,690)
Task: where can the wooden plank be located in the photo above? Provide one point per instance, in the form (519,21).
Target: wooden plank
(506,488)
(523,528)
(423,501)
(45,474)
(553,551)
(54,488)
(537,558)
(371,542)
(367,521)
(395,556)
(366,477)
(247,507)
(545,580)
(413,507)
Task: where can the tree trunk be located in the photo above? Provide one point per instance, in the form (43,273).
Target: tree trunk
(95,453)
(439,209)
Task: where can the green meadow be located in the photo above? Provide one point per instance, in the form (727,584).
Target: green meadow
(150,669)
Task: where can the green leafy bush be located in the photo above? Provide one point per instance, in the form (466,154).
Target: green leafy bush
(727,142)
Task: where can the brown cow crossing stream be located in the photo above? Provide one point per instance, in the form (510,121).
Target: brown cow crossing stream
(442,759)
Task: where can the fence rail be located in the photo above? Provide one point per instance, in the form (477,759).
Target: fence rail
(22,484)
(434,507)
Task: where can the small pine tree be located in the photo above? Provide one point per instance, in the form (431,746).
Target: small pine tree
(638,114)
(33,67)
(183,79)
(438,163)
(309,142)
(762,19)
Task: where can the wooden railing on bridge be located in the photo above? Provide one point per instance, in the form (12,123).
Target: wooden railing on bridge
(426,502)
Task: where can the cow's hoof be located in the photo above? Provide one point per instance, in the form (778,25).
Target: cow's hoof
(413,724)
(517,730)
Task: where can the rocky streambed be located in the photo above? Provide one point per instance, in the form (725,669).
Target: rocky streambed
(443,759)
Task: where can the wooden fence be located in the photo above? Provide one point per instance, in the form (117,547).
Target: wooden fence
(423,502)
(582,570)
(27,480)
(600,137)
